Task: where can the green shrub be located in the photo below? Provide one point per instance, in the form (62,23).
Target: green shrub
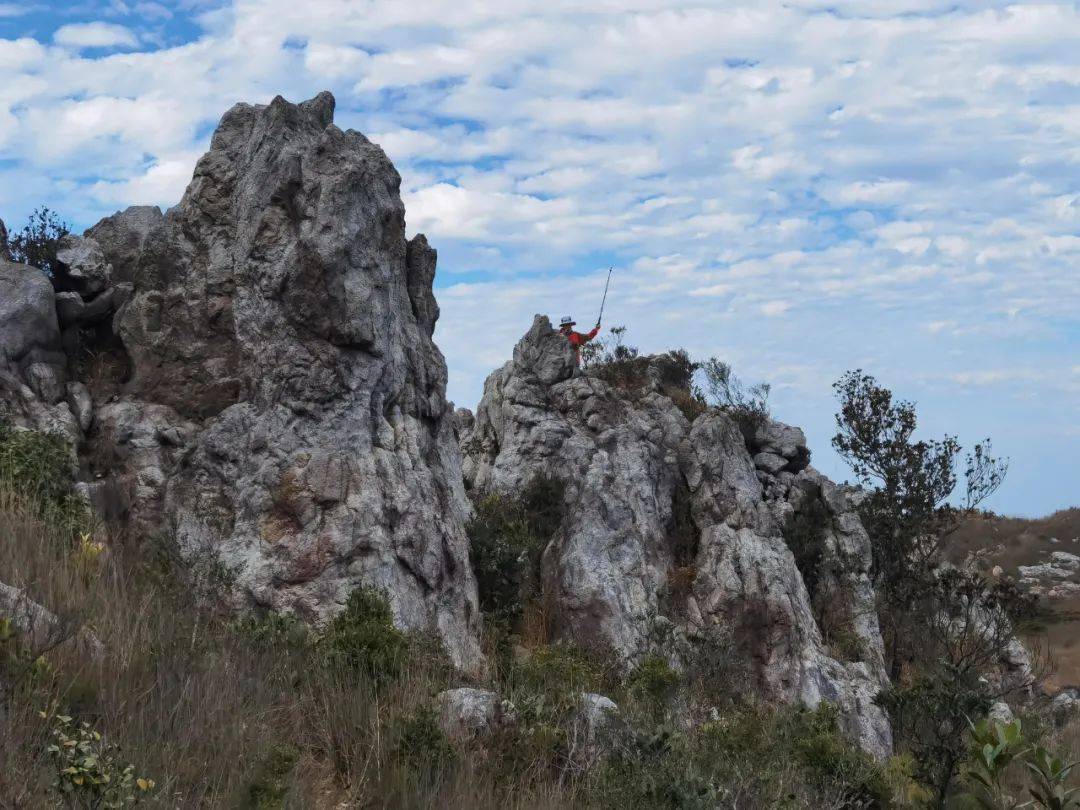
(830,761)
(88,771)
(363,639)
(749,407)
(40,466)
(507,537)
(270,783)
(268,630)
(654,682)
(804,535)
(745,758)
(422,744)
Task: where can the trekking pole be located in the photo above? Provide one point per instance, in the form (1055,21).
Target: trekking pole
(604,300)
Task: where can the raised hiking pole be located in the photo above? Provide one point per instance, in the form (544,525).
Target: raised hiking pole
(604,299)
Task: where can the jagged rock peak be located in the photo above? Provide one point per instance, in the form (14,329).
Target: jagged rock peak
(278,405)
(678,522)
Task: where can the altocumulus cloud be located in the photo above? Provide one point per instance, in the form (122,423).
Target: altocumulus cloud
(797,187)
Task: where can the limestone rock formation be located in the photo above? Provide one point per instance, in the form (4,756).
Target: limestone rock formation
(652,499)
(267,389)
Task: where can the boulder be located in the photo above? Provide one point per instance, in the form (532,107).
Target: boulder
(650,496)
(595,720)
(1000,712)
(286,413)
(82,264)
(28,327)
(38,630)
(130,239)
(466,714)
(32,362)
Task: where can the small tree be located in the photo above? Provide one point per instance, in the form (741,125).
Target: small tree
(37,243)
(945,627)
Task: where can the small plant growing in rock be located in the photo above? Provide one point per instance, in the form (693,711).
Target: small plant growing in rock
(89,773)
(749,406)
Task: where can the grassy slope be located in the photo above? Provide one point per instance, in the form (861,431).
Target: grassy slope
(992,540)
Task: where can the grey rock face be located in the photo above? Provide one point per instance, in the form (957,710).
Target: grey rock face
(32,362)
(84,264)
(465,714)
(5,252)
(129,239)
(633,464)
(286,412)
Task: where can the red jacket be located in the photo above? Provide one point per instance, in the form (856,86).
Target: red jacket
(577,340)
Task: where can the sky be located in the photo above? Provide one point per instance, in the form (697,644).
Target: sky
(797,188)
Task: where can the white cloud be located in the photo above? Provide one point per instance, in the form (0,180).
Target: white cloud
(94,35)
(895,179)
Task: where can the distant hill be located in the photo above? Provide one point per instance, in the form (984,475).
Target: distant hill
(1025,550)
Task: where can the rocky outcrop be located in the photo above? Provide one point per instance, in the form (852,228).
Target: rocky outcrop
(653,499)
(5,251)
(33,366)
(272,397)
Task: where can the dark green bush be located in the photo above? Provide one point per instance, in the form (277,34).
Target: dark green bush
(268,630)
(832,762)
(40,466)
(804,534)
(507,538)
(270,783)
(363,639)
(654,682)
(422,744)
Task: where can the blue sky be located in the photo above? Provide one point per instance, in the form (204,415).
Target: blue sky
(799,188)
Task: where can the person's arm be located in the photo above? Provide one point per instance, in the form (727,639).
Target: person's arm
(593,333)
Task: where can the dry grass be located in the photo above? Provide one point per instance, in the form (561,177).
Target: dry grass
(200,706)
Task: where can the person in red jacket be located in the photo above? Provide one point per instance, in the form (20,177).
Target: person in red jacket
(577,339)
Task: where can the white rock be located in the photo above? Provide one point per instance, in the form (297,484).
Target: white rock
(465,714)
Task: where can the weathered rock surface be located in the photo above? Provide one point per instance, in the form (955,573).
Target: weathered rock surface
(83,264)
(32,362)
(634,466)
(466,714)
(5,251)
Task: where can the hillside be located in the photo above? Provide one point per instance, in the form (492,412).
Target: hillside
(1025,550)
